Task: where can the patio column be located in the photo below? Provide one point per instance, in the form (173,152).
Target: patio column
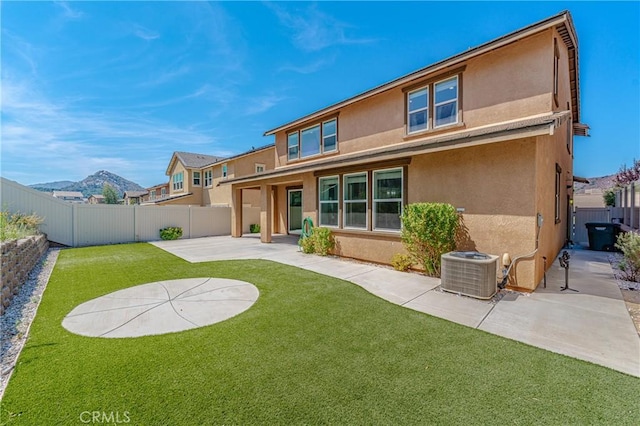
(236,212)
(266,212)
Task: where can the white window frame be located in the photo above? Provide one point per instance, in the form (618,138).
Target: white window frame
(178,185)
(152,194)
(409,112)
(194,178)
(323,136)
(321,202)
(208,178)
(163,192)
(345,201)
(319,126)
(558,190)
(260,166)
(225,171)
(386,200)
(297,146)
(436,105)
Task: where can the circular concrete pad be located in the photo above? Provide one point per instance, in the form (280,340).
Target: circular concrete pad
(161,307)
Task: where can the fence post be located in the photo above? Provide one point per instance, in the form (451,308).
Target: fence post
(632,211)
(74,224)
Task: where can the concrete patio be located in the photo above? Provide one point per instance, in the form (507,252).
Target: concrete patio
(592,324)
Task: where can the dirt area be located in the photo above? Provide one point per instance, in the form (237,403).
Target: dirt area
(632,299)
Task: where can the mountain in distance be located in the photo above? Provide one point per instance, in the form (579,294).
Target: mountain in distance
(51,186)
(599,184)
(92,184)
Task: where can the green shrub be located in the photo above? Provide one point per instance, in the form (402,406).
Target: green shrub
(171,233)
(320,242)
(254,228)
(401,262)
(629,244)
(609,198)
(428,231)
(14,226)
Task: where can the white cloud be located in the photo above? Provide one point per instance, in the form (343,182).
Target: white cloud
(145,33)
(68,12)
(43,140)
(261,104)
(314,30)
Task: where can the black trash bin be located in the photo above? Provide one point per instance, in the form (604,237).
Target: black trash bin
(603,235)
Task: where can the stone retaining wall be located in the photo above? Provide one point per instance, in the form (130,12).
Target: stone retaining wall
(18,259)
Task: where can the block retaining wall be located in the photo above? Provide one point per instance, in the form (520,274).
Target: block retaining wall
(18,258)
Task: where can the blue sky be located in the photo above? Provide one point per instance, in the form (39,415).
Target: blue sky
(121,85)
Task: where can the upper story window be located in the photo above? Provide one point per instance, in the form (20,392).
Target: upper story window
(224,171)
(425,112)
(260,168)
(314,140)
(418,110)
(163,192)
(196,178)
(446,102)
(152,194)
(292,142)
(208,177)
(178,181)
(556,70)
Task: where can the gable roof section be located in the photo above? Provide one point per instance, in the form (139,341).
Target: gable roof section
(563,24)
(191,160)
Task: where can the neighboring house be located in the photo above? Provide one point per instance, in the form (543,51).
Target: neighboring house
(489,130)
(196,179)
(71,196)
(156,193)
(96,199)
(134,197)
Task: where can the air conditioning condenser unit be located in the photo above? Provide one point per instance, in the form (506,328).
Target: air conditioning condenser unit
(469,273)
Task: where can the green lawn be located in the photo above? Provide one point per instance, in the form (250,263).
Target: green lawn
(313,349)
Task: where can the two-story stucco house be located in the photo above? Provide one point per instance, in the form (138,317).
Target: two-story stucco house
(489,130)
(195,178)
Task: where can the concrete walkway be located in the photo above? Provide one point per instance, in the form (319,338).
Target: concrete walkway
(592,324)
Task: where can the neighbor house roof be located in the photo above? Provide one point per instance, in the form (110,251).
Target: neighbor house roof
(530,126)
(192,160)
(70,194)
(133,194)
(97,196)
(563,24)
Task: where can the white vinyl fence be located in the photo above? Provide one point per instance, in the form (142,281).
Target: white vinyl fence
(96,224)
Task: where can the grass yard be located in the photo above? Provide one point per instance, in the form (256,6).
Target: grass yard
(313,349)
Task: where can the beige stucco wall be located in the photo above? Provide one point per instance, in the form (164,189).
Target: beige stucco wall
(511,82)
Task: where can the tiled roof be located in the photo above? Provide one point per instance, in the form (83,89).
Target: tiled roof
(132,194)
(196,161)
(67,194)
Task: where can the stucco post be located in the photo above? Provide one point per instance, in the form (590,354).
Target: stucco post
(632,211)
(266,212)
(236,212)
(625,205)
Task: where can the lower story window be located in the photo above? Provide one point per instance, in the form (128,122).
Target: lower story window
(328,195)
(557,192)
(355,201)
(359,207)
(387,199)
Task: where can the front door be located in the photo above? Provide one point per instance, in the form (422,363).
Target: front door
(294,212)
